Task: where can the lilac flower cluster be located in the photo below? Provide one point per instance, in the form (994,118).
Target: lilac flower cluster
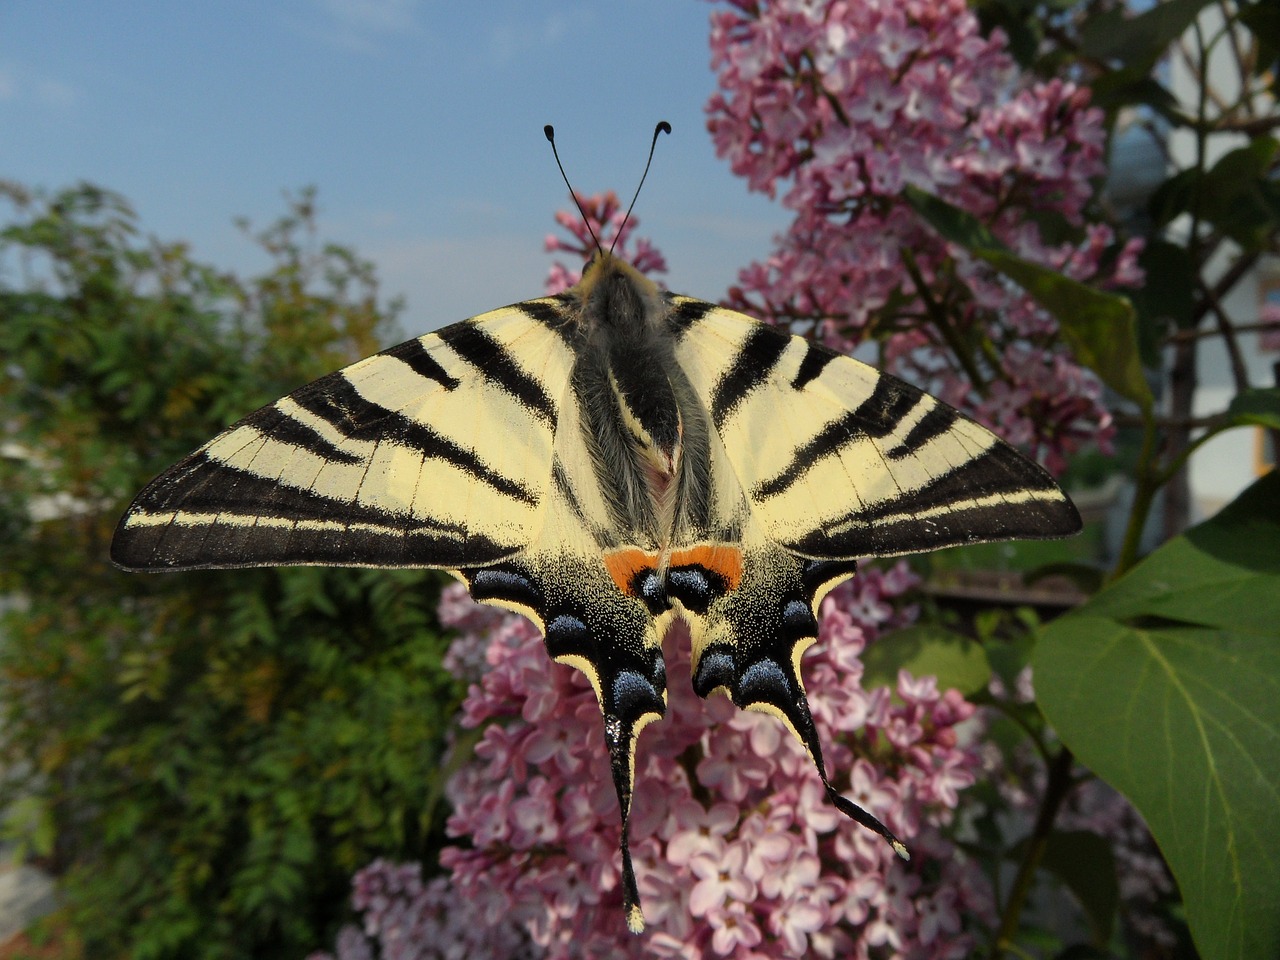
(737,852)
(845,102)
(605,214)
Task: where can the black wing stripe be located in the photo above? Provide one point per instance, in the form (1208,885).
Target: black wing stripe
(875,418)
(933,424)
(360,419)
(492,360)
(239,492)
(752,366)
(815,361)
(685,314)
(889,403)
(994,496)
(831,438)
(966,524)
(419,360)
(552,314)
(285,428)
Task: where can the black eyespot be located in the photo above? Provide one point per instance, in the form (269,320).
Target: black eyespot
(649,588)
(634,696)
(567,631)
(503,583)
(715,669)
(764,681)
(798,621)
(692,587)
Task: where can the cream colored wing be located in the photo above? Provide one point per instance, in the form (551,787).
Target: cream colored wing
(817,460)
(839,460)
(435,453)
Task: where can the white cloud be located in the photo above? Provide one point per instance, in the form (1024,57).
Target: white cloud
(508,40)
(18,85)
(374,16)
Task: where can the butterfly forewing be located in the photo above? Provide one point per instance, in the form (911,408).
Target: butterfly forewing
(840,460)
(436,453)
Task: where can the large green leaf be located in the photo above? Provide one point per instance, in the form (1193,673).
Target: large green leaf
(1167,684)
(1100,327)
(1238,194)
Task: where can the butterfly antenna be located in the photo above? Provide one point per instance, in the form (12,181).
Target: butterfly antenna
(550,133)
(662,127)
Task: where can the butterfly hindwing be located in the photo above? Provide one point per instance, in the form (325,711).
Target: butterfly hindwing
(435,453)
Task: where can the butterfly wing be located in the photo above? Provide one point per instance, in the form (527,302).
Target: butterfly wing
(592,615)
(838,460)
(819,460)
(435,453)
(464,449)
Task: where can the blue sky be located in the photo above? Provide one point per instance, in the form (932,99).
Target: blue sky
(419,121)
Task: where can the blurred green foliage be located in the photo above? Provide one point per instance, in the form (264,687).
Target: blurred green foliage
(204,758)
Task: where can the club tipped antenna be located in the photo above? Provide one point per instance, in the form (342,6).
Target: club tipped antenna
(662,127)
(550,133)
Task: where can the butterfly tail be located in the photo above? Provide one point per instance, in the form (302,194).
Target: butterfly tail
(612,638)
(750,643)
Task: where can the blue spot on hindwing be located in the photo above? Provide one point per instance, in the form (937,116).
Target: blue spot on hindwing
(715,669)
(694,588)
(634,696)
(504,583)
(566,632)
(763,682)
(648,587)
(798,621)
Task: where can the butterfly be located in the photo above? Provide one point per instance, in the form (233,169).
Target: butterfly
(605,461)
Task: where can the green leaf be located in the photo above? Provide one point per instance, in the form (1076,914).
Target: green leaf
(1099,327)
(927,650)
(1168,294)
(1257,406)
(1129,86)
(1085,864)
(1167,684)
(1263,19)
(1237,194)
(1141,40)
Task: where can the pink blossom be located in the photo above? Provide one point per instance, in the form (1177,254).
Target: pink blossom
(719,880)
(733,927)
(868,97)
(699,832)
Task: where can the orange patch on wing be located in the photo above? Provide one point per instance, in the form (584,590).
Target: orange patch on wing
(722,558)
(623,565)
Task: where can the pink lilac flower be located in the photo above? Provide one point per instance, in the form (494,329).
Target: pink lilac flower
(775,872)
(844,103)
(604,215)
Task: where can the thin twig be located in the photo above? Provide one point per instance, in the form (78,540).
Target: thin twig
(1055,792)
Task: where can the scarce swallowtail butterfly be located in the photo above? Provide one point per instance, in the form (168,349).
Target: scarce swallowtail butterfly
(605,461)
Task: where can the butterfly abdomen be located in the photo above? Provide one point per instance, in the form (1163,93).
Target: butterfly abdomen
(644,423)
